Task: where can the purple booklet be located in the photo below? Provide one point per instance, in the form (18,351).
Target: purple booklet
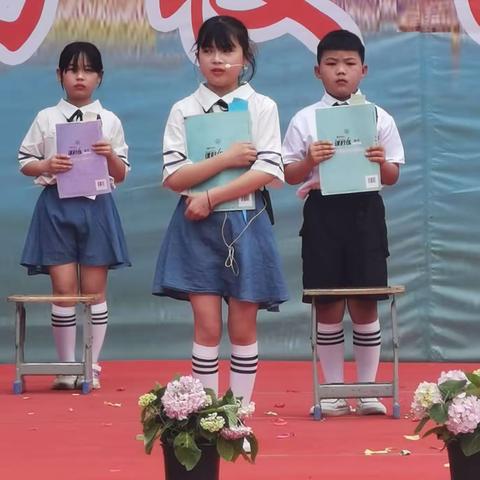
(89,174)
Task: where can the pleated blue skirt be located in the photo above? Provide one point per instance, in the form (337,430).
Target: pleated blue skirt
(74,230)
(193,258)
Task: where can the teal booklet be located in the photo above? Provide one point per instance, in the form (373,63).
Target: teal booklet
(352,129)
(211,134)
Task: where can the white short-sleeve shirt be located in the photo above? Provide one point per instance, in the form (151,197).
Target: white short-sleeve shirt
(40,141)
(265,128)
(302,131)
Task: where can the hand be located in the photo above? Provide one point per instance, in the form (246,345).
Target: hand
(376,154)
(198,206)
(104,148)
(320,151)
(241,154)
(59,164)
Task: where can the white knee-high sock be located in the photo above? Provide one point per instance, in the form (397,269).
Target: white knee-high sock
(331,351)
(366,348)
(64,325)
(205,365)
(243,370)
(99,328)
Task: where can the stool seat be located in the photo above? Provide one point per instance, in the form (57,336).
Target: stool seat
(23,368)
(355,390)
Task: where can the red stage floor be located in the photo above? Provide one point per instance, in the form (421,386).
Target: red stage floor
(46,434)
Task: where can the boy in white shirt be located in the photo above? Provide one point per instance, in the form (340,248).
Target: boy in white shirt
(344,237)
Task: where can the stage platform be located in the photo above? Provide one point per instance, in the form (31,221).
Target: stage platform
(52,434)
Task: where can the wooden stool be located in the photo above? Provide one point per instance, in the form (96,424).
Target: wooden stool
(355,390)
(23,368)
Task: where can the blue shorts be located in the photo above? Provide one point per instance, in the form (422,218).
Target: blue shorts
(74,230)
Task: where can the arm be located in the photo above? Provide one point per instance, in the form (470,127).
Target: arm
(297,172)
(201,205)
(240,154)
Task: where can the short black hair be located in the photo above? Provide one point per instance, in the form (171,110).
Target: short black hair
(220,31)
(340,40)
(71,53)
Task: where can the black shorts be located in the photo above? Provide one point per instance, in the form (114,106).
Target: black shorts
(344,243)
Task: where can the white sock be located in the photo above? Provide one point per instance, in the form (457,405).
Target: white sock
(99,328)
(64,332)
(243,370)
(331,351)
(205,365)
(366,348)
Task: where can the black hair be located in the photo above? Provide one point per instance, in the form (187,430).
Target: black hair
(221,31)
(340,40)
(73,51)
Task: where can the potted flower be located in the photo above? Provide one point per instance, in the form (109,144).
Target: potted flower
(195,428)
(453,405)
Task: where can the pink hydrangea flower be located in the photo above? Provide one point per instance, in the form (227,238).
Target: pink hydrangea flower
(183,397)
(451,375)
(463,414)
(234,433)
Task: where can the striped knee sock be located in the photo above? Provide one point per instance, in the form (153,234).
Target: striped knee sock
(64,325)
(243,370)
(99,328)
(366,348)
(331,351)
(205,365)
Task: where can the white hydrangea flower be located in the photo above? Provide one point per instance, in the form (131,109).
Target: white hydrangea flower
(212,422)
(146,399)
(426,395)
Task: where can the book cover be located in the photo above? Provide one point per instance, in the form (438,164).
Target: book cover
(352,129)
(89,173)
(209,135)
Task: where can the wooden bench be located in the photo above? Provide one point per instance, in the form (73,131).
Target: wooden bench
(23,368)
(355,390)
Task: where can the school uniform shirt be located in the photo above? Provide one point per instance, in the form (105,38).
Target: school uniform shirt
(302,131)
(265,129)
(40,142)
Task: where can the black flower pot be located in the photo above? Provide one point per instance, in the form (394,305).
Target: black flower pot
(461,466)
(207,468)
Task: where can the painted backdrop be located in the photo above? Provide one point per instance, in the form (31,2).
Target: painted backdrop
(423,58)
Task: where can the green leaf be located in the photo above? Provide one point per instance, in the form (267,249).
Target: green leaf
(451,388)
(421,424)
(470,444)
(225,449)
(475,379)
(149,437)
(186,450)
(439,413)
(253,447)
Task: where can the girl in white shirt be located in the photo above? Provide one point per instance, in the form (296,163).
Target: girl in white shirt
(75,240)
(208,255)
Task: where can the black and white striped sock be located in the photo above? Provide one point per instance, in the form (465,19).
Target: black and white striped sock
(64,323)
(331,351)
(367,342)
(205,365)
(243,370)
(99,328)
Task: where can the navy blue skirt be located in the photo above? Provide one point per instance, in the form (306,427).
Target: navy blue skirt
(74,230)
(193,255)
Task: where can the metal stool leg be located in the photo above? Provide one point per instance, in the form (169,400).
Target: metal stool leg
(396,345)
(20,314)
(87,350)
(317,409)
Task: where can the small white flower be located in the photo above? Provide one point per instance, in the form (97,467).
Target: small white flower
(212,422)
(426,395)
(247,411)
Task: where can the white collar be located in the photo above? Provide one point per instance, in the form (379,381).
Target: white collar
(206,98)
(329,100)
(68,109)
